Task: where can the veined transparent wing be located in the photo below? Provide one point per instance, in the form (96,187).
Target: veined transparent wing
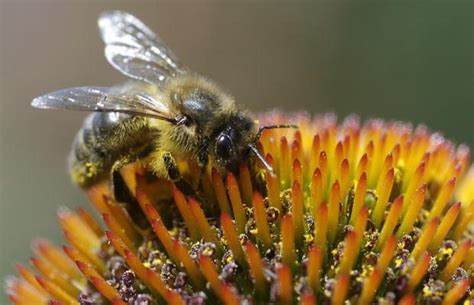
(104,99)
(134,50)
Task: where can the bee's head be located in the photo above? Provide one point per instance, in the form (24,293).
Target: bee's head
(237,139)
(231,143)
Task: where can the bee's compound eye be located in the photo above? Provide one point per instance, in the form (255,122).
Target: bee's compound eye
(224,147)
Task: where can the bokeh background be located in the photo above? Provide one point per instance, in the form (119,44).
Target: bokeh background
(405,60)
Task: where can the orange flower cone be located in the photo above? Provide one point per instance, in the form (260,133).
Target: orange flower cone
(375,214)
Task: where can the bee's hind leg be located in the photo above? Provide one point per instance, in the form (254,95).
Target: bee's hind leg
(122,194)
(119,187)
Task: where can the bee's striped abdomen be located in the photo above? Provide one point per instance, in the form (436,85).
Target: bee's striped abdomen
(103,139)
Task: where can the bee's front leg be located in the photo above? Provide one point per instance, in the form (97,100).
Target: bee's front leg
(174,175)
(171,167)
(164,165)
(203,154)
(203,159)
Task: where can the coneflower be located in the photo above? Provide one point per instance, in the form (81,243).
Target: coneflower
(374,214)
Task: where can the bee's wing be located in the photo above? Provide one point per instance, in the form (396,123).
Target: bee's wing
(103,99)
(134,50)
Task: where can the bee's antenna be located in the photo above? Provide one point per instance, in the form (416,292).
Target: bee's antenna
(262,160)
(279,126)
(255,151)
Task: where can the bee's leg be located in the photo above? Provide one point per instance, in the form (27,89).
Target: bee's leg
(119,188)
(203,159)
(171,167)
(122,194)
(203,155)
(174,175)
(278,126)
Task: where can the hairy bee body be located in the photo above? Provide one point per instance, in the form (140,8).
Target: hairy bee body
(110,139)
(167,112)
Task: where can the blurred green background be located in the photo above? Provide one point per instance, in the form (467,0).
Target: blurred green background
(406,60)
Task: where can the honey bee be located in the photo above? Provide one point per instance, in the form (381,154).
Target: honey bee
(163,113)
